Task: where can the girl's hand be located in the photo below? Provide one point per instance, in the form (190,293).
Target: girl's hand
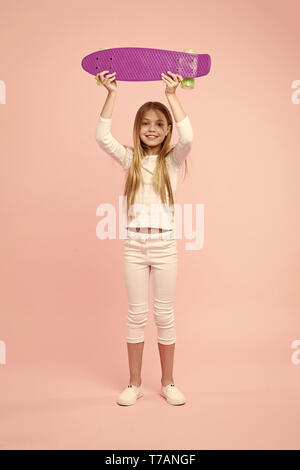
(171,83)
(108,82)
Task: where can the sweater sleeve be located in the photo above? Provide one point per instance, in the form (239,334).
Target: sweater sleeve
(183,147)
(110,145)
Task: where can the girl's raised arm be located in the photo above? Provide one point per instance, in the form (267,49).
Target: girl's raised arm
(110,145)
(182,121)
(184,144)
(103,135)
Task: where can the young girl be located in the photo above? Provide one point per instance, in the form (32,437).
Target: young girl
(151,168)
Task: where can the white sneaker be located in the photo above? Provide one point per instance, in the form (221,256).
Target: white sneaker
(130,395)
(173,395)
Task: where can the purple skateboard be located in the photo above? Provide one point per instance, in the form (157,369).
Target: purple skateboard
(139,64)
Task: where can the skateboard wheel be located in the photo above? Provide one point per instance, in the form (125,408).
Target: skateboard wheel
(188,82)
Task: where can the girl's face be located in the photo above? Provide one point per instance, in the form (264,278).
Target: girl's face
(153,130)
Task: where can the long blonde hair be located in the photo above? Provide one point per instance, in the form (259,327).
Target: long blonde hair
(161,180)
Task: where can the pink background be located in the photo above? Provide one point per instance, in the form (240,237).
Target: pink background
(63,299)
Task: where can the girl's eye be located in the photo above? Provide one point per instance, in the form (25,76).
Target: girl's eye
(144,123)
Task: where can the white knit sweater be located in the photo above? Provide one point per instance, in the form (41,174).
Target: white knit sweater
(148,209)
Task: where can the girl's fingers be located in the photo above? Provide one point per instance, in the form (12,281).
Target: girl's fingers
(107,77)
(167,78)
(173,74)
(176,75)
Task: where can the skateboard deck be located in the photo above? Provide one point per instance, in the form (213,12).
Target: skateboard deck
(143,64)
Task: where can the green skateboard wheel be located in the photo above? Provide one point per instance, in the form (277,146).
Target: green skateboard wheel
(188,82)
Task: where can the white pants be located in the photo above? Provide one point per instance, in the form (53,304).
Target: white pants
(144,255)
